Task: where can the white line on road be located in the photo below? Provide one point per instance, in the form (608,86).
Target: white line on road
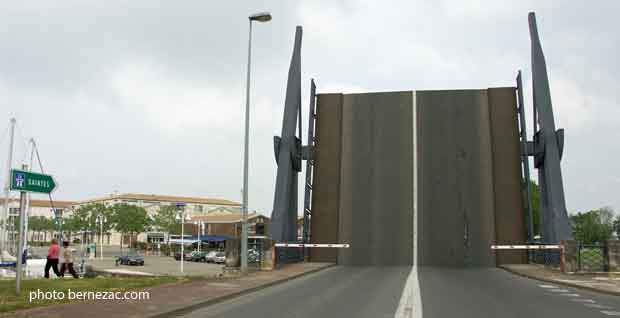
(410,305)
(597,306)
(547,286)
(559,290)
(611,313)
(571,295)
(579,300)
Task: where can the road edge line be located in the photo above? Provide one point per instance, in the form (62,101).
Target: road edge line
(548,280)
(193,307)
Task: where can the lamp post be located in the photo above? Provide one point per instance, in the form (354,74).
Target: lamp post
(182,217)
(101,219)
(58,216)
(199,224)
(260,17)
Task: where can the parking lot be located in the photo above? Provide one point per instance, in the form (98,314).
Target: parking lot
(158,265)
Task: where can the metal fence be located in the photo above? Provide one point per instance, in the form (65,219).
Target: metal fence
(582,257)
(591,258)
(256,254)
(289,255)
(550,258)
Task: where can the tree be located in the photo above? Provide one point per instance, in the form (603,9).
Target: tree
(617,227)
(73,223)
(535,191)
(129,219)
(47,226)
(36,224)
(593,226)
(165,220)
(85,217)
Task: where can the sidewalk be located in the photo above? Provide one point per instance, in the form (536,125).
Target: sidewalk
(608,283)
(173,300)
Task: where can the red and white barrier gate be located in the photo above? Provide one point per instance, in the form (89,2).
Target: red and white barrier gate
(534,247)
(312,245)
(526,247)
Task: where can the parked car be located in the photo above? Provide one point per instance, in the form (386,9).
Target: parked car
(220,258)
(198,257)
(186,257)
(210,257)
(131,259)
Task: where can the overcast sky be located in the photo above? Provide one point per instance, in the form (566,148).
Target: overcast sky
(148,96)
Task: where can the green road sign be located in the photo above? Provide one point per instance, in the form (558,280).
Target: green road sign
(31,182)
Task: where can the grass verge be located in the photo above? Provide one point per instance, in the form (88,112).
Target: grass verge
(9,301)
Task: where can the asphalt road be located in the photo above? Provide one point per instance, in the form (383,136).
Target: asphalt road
(375,292)
(492,292)
(342,291)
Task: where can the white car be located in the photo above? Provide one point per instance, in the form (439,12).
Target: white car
(210,257)
(220,258)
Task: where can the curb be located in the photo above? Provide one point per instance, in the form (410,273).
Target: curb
(548,280)
(187,309)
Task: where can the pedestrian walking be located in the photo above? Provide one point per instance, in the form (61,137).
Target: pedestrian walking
(67,260)
(52,259)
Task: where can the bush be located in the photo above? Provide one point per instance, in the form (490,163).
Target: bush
(139,245)
(165,249)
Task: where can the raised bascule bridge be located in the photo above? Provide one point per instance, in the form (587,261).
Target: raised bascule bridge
(418,197)
(419,177)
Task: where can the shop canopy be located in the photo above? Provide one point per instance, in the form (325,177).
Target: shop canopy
(211,238)
(203,239)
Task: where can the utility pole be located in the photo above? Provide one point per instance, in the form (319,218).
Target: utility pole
(32,144)
(5,215)
(22,239)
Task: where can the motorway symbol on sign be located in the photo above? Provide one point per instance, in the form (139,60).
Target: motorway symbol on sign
(31,182)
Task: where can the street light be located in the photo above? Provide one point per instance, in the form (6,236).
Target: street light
(101,219)
(58,215)
(182,217)
(199,224)
(260,17)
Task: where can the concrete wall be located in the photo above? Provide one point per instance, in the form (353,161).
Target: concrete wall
(376,211)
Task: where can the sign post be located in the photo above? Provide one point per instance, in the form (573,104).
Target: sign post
(181,215)
(25,181)
(20,246)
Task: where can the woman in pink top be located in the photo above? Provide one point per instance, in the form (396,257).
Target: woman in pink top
(52,259)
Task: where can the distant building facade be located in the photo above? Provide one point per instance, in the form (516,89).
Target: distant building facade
(41,208)
(227,223)
(194,206)
(210,216)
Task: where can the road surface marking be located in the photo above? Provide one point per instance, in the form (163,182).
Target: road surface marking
(571,295)
(574,281)
(547,286)
(579,300)
(410,304)
(611,313)
(559,290)
(597,306)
